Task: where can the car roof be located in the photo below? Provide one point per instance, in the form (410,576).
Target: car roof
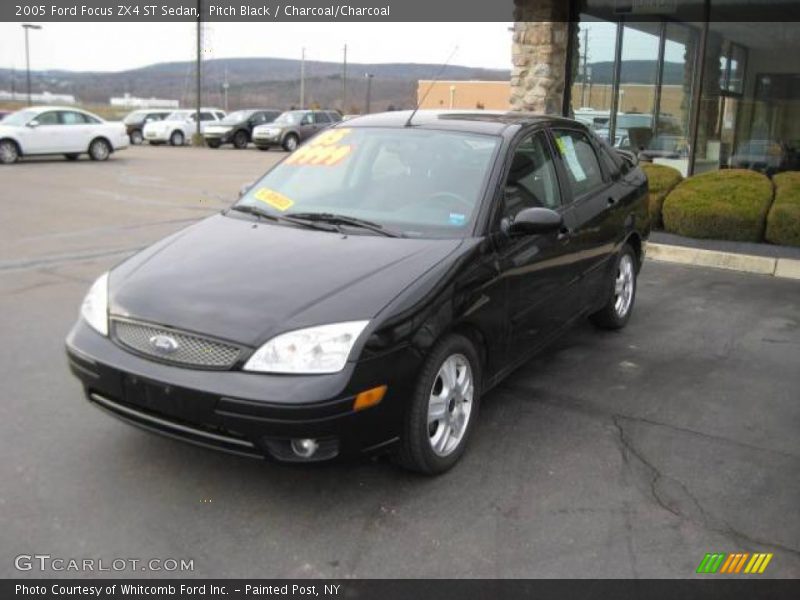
(480,121)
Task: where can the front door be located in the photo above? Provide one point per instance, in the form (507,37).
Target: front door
(41,136)
(540,270)
(76,131)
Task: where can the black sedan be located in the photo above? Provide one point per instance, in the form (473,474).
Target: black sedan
(365,293)
(237,127)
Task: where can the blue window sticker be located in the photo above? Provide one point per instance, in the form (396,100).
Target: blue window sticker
(457,219)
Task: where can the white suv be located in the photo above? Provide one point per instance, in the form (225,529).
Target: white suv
(178,127)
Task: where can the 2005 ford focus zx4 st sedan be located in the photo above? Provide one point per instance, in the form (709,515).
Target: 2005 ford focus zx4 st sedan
(365,293)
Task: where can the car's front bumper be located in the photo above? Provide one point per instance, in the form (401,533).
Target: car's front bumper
(266,140)
(245,413)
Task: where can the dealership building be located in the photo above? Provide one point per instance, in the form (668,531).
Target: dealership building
(695,84)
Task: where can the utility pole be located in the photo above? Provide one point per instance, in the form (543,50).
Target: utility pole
(344,81)
(225,87)
(26,27)
(584,72)
(198,99)
(369,77)
(302,78)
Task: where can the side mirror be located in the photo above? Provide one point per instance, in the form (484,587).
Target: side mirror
(532,221)
(33,124)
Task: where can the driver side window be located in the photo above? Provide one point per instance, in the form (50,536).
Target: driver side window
(531,180)
(48,118)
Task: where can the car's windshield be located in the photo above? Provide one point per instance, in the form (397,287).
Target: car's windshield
(237,117)
(293,117)
(21,117)
(418,182)
(178,115)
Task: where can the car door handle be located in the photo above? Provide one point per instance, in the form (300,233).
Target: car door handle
(564,234)
(612,201)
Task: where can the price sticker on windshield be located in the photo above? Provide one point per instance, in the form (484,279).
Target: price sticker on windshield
(324,150)
(273,198)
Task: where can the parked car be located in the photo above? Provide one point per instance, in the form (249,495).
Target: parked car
(765,156)
(180,125)
(293,127)
(59,130)
(136,120)
(237,127)
(366,292)
(4,114)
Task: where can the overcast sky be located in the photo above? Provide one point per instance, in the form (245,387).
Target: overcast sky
(121,46)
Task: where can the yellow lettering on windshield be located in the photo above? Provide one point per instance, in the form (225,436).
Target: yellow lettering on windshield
(323,150)
(273,198)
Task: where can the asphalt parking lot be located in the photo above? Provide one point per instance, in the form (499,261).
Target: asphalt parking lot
(626,454)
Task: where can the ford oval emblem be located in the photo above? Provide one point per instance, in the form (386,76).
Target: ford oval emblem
(164,343)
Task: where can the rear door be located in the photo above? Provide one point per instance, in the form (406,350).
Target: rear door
(540,270)
(593,197)
(77,131)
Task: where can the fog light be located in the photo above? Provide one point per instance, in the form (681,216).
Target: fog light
(304,447)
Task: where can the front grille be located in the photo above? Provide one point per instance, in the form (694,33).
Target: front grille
(184,349)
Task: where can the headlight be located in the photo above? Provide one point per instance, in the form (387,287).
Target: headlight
(94,309)
(322,349)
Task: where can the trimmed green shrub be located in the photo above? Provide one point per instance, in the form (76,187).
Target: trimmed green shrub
(661,180)
(783,222)
(730,204)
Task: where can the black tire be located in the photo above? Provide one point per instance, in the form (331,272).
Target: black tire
(290,142)
(9,152)
(241,139)
(213,144)
(415,451)
(177,138)
(99,150)
(72,156)
(617,311)
(136,137)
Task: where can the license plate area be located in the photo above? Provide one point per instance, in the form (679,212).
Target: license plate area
(165,399)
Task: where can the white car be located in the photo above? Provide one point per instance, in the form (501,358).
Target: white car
(179,126)
(59,130)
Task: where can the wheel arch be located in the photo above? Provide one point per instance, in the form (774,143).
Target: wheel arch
(104,139)
(14,141)
(634,240)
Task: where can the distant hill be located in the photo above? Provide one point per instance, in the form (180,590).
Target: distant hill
(637,71)
(253,82)
(275,82)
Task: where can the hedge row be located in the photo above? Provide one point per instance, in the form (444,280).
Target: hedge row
(783,222)
(661,181)
(730,204)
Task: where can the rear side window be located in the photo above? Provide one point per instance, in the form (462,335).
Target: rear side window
(322,118)
(69,117)
(220,115)
(580,162)
(206,116)
(335,117)
(156,117)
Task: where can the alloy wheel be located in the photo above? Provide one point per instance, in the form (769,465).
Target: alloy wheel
(450,404)
(8,153)
(623,285)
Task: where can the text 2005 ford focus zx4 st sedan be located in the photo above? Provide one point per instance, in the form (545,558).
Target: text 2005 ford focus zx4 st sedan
(365,292)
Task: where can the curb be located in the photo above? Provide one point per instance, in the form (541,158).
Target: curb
(784,268)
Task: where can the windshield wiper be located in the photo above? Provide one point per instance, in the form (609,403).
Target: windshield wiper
(253,210)
(335,219)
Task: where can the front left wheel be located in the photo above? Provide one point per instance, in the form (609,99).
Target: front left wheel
(443,409)
(240,140)
(9,153)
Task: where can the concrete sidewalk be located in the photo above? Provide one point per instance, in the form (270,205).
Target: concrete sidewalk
(762,259)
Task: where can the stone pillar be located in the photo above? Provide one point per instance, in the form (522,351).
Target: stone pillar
(539,55)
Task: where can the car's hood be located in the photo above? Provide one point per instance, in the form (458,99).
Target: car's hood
(230,278)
